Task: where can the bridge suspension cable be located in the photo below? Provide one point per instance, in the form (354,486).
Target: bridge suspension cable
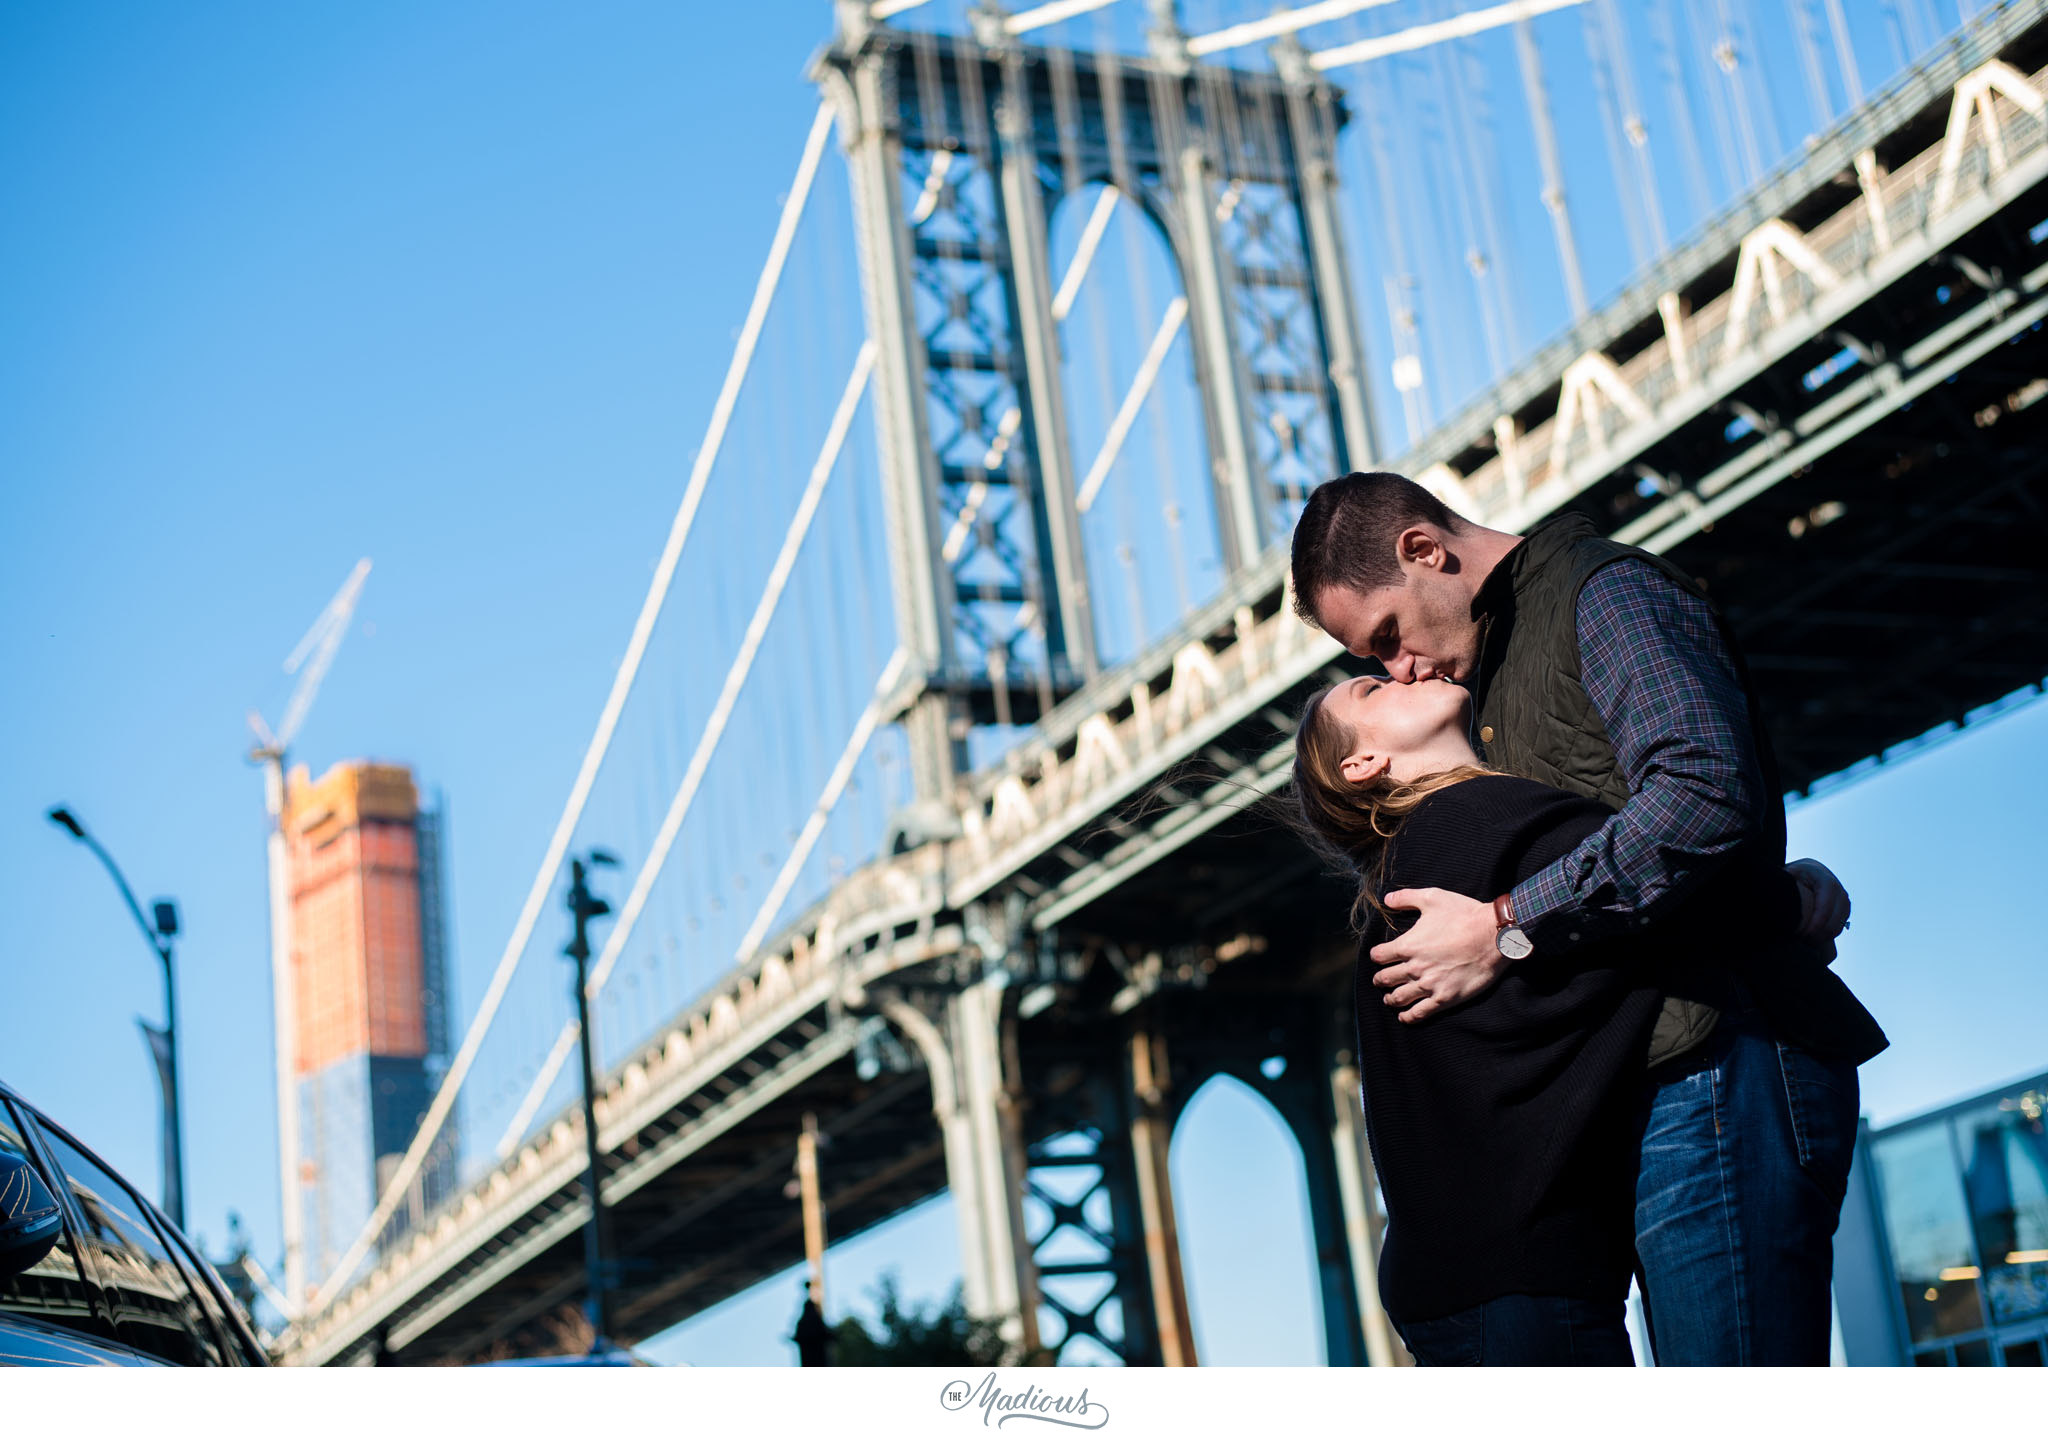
(1399,280)
(1737,135)
(1020,23)
(1084,253)
(1281,22)
(1808,45)
(1537,93)
(1845,52)
(1040,16)
(1121,413)
(1911,36)
(1759,92)
(1471,199)
(714,730)
(1134,400)
(1664,34)
(1628,134)
(1417,37)
(835,786)
(408,1171)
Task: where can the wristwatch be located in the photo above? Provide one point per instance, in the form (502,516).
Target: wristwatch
(1510,939)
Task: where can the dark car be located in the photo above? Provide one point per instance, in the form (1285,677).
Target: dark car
(90,1273)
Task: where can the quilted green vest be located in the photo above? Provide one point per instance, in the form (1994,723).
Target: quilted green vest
(1533,718)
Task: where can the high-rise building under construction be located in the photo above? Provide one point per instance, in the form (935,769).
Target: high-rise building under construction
(369,967)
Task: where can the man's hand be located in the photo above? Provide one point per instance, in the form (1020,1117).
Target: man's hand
(1823,903)
(1445,958)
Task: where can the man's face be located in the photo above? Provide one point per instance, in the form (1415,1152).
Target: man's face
(1418,630)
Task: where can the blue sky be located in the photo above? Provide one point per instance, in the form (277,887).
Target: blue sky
(454,288)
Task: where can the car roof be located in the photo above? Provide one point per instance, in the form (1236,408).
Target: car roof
(248,1331)
(44,1115)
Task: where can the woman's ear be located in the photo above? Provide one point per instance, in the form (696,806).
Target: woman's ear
(1360,768)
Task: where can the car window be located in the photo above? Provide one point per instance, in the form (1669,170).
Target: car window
(53,1289)
(155,1310)
(225,1326)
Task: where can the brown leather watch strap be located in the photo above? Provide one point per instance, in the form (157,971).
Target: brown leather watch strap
(1503,912)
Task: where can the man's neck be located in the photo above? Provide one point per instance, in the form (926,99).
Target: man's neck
(1482,549)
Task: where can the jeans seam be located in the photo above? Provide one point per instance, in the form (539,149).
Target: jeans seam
(1802,1141)
(1731,1225)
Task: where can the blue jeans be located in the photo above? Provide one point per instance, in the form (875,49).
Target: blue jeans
(1745,1160)
(1523,1330)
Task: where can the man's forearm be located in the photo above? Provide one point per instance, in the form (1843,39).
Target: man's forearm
(1660,678)
(1629,873)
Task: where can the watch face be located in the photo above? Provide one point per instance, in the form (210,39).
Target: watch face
(1513,943)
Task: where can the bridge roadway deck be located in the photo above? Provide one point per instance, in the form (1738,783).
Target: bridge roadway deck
(1872,525)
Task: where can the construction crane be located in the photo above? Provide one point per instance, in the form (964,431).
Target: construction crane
(309,660)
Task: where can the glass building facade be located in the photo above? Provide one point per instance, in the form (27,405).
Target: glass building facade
(1954,1234)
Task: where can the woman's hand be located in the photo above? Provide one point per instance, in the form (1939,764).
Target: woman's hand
(1823,903)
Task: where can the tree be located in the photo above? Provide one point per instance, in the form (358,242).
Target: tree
(923,1335)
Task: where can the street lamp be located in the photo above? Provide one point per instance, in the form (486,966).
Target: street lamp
(163,1043)
(597,1260)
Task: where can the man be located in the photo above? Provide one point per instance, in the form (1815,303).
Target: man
(1602,670)
(813,1335)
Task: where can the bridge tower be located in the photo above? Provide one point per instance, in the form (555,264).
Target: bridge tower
(958,148)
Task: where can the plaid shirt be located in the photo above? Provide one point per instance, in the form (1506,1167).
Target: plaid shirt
(1653,662)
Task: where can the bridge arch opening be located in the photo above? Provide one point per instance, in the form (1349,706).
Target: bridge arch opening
(1240,1189)
(1135,418)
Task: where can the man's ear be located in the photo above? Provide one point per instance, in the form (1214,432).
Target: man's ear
(1362,767)
(1422,546)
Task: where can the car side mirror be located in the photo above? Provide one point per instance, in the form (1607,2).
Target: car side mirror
(29,1220)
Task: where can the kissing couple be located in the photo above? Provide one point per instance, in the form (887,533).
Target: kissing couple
(1598,1032)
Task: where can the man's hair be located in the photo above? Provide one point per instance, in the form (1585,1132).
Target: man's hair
(1345,537)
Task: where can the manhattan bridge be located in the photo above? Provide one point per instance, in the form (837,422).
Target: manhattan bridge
(936,758)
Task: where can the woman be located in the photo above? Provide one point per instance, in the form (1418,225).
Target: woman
(1502,1129)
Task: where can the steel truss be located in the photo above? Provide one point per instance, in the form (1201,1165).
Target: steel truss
(959,148)
(1099,1212)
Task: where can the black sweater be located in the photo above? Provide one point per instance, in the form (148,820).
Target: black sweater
(1502,1129)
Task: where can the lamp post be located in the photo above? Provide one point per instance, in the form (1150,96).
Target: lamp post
(583,908)
(163,1043)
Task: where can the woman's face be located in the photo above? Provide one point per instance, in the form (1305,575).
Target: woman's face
(1394,724)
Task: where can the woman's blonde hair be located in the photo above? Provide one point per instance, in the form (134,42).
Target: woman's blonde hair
(1352,824)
